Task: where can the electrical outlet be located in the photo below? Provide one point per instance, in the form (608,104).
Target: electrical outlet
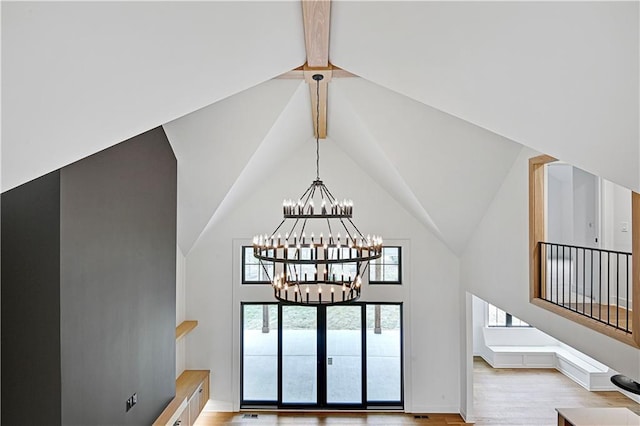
(133,400)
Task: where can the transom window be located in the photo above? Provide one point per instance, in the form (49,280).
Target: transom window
(388,268)
(252,271)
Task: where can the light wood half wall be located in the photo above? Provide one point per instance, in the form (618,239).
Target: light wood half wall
(537,234)
(536,219)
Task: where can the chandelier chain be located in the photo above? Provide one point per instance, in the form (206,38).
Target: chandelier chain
(318,129)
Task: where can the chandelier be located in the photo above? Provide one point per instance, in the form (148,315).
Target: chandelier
(316,255)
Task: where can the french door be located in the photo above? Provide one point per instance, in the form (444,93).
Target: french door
(343,356)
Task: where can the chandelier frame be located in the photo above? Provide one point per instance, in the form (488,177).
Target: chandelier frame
(333,265)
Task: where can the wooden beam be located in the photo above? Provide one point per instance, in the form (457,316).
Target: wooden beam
(321,131)
(298,73)
(635,266)
(316,16)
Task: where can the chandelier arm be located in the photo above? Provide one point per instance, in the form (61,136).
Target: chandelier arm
(293,228)
(281,223)
(304,225)
(267,272)
(288,265)
(306,192)
(331,197)
(346,229)
(366,267)
(323,193)
(330,231)
(356,228)
(309,193)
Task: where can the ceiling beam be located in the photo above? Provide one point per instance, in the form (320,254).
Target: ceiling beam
(298,73)
(316,16)
(321,89)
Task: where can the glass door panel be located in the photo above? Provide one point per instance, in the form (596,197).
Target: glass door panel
(344,354)
(384,362)
(299,355)
(260,352)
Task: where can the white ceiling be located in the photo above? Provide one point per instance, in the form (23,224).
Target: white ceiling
(441,82)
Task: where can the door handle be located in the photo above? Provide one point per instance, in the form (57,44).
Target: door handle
(330,361)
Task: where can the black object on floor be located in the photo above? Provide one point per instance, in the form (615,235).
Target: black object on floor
(626,383)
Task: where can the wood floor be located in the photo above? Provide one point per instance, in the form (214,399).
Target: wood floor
(611,314)
(501,397)
(312,419)
(529,397)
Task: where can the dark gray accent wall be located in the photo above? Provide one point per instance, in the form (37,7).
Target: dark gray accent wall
(110,308)
(31,303)
(118,269)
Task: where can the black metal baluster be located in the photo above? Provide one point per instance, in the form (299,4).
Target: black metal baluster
(583,283)
(570,273)
(591,293)
(600,285)
(557,271)
(563,267)
(617,289)
(608,288)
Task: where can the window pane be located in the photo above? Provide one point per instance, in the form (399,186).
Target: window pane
(391,273)
(516,322)
(344,354)
(497,317)
(253,269)
(260,352)
(387,268)
(375,272)
(391,255)
(299,354)
(383,353)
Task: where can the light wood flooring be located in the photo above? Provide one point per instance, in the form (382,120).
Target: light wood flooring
(312,419)
(607,313)
(506,396)
(501,397)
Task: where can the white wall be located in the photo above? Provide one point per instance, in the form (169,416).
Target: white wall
(479,308)
(616,212)
(585,208)
(430,292)
(495,267)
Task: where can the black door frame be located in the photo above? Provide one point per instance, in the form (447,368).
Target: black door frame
(321,363)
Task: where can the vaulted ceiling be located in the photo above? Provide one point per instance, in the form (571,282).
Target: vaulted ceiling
(447,94)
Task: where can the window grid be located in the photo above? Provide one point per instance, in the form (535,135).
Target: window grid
(388,268)
(252,270)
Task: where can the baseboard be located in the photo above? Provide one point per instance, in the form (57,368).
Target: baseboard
(445,409)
